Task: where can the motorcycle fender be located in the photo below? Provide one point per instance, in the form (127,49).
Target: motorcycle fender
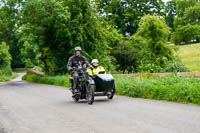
(91,81)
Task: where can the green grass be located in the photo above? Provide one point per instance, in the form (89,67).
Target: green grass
(19,70)
(6,77)
(170,88)
(62,80)
(190,56)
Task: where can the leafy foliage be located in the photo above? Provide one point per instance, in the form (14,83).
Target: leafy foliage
(170,10)
(154,52)
(9,22)
(126,56)
(58,26)
(125,14)
(187,23)
(44,33)
(5,60)
(30,55)
(186,33)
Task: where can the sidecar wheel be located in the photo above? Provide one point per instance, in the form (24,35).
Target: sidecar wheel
(111,94)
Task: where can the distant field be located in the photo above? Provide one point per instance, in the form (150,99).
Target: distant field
(190,56)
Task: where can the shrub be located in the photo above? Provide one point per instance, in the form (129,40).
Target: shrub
(151,40)
(126,56)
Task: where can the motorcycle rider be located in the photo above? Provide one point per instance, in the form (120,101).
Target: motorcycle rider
(96,68)
(75,61)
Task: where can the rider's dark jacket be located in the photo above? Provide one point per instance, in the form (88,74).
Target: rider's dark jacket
(75,60)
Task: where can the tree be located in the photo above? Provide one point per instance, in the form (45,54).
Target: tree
(186,34)
(154,51)
(48,28)
(5,60)
(125,14)
(30,55)
(192,14)
(9,21)
(170,10)
(58,26)
(187,22)
(182,5)
(126,56)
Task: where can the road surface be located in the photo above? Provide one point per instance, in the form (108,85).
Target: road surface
(35,108)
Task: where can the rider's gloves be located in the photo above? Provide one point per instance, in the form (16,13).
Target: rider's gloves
(91,67)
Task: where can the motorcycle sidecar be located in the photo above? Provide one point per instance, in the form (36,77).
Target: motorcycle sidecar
(105,85)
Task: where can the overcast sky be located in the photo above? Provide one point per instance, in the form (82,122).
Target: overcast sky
(165,0)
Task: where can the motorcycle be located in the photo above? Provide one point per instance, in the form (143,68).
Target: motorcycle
(85,85)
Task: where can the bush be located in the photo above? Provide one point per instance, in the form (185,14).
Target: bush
(126,56)
(151,40)
(5,60)
(171,88)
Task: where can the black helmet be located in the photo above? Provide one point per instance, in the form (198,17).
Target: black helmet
(77,49)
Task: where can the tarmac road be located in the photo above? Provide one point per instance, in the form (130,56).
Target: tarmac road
(35,108)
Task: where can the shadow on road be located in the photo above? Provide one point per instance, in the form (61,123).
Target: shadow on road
(82,102)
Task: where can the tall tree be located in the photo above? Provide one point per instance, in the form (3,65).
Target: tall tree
(170,10)
(9,21)
(154,54)
(5,60)
(125,14)
(187,22)
(58,26)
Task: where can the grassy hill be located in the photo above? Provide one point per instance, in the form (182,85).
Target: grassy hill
(190,56)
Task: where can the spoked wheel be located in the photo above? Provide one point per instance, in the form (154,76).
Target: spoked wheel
(111,94)
(76,98)
(90,94)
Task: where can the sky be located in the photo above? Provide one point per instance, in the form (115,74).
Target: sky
(165,0)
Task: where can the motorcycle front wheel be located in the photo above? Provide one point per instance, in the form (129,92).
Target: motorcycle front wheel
(90,94)
(76,98)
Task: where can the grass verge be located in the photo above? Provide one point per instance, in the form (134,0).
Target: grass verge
(62,80)
(6,77)
(190,56)
(170,88)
